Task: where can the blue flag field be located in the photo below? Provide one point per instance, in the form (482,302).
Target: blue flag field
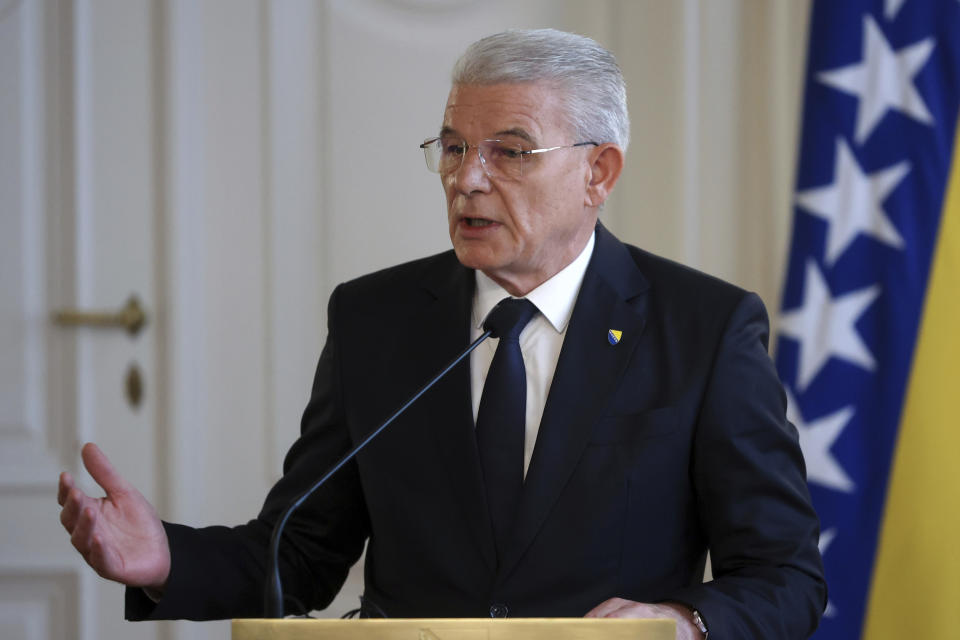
(869,331)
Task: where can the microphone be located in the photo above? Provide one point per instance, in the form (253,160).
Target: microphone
(273,590)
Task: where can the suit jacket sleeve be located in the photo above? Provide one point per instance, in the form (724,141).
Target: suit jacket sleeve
(749,476)
(218,572)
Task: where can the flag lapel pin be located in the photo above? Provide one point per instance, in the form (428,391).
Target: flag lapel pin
(614,335)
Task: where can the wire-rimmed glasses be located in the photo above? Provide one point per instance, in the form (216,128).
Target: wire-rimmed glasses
(499,158)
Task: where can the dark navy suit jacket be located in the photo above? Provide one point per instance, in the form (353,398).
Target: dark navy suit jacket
(650,452)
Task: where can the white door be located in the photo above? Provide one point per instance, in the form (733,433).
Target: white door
(78,198)
(134,160)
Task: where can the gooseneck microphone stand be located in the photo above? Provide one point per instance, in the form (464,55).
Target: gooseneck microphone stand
(273,591)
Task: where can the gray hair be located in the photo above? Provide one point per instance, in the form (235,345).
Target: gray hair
(586,74)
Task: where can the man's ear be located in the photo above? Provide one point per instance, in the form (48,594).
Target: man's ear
(606,164)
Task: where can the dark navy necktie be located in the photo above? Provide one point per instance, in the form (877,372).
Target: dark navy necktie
(501,419)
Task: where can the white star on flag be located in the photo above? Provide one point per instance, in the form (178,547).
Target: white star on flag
(883,80)
(816,438)
(826,537)
(824,326)
(853,203)
(891,8)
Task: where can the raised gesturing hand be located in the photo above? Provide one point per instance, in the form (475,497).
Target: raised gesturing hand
(119,535)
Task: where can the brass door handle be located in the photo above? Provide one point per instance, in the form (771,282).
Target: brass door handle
(131,317)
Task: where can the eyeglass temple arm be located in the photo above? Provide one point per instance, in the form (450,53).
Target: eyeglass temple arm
(567,146)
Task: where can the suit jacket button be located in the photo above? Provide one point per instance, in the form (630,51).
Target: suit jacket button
(499,610)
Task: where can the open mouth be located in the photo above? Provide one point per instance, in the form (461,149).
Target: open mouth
(478,222)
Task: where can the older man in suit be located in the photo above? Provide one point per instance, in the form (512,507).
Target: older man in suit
(627,421)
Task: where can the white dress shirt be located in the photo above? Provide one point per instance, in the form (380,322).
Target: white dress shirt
(540,341)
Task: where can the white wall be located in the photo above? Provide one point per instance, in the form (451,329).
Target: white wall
(714,92)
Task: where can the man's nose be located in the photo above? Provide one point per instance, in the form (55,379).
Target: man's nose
(472,174)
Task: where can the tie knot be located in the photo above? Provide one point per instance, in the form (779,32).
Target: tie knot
(509,317)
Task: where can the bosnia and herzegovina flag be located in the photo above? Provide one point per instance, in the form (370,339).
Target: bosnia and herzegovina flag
(869,345)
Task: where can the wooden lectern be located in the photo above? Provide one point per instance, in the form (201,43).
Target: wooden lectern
(456,629)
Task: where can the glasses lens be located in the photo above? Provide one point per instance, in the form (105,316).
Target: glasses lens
(502,159)
(443,155)
(431,153)
(450,154)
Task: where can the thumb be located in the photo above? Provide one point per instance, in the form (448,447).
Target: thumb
(102,471)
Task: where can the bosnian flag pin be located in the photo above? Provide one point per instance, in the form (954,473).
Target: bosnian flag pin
(613,336)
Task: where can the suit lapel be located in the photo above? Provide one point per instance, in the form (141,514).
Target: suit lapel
(444,324)
(589,369)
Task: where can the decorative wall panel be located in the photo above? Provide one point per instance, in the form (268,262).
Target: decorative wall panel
(36,364)
(38,606)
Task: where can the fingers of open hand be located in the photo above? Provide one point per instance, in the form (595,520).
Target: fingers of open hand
(73,504)
(87,539)
(79,517)
(82,531)
(63,487)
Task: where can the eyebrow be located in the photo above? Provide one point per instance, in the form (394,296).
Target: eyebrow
(516,132)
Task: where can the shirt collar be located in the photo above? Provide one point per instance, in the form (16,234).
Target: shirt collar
(554,298)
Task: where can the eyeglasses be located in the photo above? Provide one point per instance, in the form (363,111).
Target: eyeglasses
(499,158)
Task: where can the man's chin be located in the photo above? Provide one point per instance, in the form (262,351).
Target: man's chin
(471,258)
